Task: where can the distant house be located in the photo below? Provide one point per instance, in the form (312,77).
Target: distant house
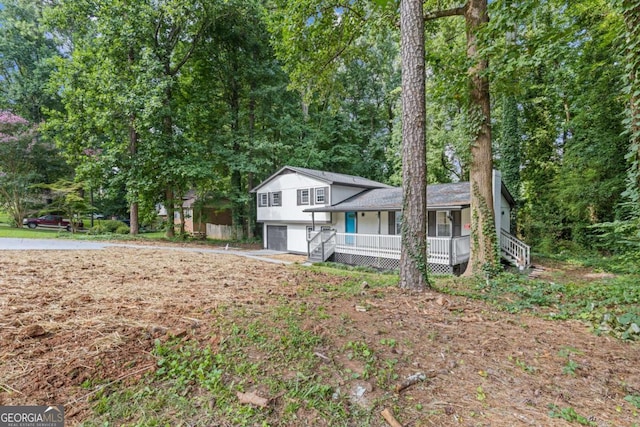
(211,220)
(353,220)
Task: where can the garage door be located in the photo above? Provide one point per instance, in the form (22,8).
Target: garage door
(277,237)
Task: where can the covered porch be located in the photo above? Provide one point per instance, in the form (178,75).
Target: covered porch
(445,255)
(383,251)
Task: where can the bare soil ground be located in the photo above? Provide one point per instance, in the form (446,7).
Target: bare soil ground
(70,318)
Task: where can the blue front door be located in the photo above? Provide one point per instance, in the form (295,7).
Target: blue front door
(350,226)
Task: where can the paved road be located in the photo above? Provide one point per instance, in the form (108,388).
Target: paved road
(13,244)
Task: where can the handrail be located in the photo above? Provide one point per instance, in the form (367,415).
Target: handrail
(327,248)
(313,243)
(516,249)
(319,241)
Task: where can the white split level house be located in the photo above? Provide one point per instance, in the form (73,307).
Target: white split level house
(352,220)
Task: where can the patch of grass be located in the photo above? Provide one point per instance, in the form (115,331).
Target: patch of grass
(569,414)
(610,304)
(349,282)
(272,354)
(26,233)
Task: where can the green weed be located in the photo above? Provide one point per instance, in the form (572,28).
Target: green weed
(523,365)
(569,414)
(633,399)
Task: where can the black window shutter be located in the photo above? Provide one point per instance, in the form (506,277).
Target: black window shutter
(326,195)
(392,223)
(312,196)
(431,216)
(299,197)
(457,223)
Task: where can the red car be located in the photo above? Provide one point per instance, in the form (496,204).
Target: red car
(50,221)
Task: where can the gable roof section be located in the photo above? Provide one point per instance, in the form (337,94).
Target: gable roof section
(390,199)
(330,178)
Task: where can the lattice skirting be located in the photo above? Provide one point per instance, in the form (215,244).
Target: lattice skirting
(369,261)
(440,269)
(392,264)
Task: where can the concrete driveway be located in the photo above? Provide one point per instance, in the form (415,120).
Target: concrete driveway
(14,244)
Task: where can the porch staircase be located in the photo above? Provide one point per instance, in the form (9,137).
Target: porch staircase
(321,246)
(514,251)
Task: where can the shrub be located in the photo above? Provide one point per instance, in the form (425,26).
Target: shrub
(122,229)
(110,226)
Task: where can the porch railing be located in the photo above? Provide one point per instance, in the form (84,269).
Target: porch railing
(374,245)
(515,250)
(321,244)
(441,250)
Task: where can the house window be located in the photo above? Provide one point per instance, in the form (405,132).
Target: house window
(263,200)
(303,196)
(276,198)
(321,195)
(395,223)
(443,224)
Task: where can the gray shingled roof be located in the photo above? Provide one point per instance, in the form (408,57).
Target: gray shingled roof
(390,199)
(329,178)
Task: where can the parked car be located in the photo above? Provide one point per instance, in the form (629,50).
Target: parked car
(51,221)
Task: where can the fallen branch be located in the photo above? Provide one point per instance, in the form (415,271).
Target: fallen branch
(411,380)
(389,418)
(322,356)
(11,389)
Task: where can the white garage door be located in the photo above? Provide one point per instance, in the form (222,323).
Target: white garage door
(277,237)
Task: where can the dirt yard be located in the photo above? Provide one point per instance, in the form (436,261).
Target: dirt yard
(71,318)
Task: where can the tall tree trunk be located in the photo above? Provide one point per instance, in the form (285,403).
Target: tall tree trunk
(483,238)
(237,190)
(134,226)
(133,207)
(167,122)
(413,258)
(250,209)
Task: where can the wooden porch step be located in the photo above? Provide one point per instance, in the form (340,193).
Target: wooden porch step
(536,271)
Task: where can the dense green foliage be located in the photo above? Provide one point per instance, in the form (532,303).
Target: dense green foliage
(25,161)
(148,100)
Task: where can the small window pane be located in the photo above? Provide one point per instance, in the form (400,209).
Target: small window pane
(304,197)
(443,224)
(275,199)
(320,195)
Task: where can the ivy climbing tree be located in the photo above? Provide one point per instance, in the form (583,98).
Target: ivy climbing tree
(413,257)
